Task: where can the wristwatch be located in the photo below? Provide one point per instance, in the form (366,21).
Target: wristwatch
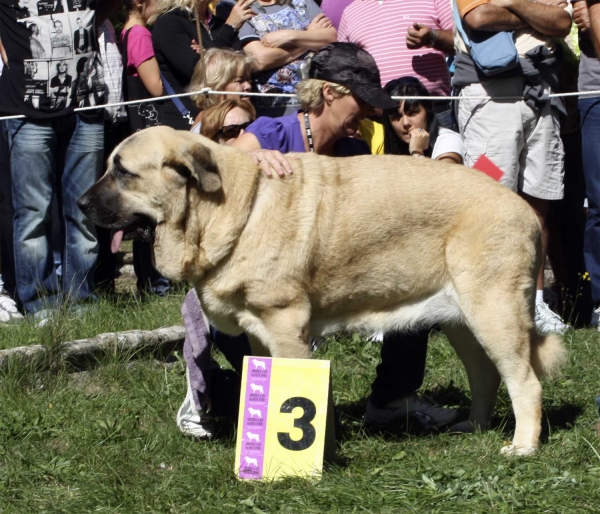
(434,38)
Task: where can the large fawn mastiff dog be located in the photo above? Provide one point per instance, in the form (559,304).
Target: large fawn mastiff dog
(368,243)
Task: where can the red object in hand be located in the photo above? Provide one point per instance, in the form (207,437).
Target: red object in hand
(488,167)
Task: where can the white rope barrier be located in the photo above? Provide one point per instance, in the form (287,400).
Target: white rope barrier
(207,91)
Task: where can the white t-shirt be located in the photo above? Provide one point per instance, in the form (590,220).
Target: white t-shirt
(446,142)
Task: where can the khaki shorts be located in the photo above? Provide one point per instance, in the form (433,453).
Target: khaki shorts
(523,142)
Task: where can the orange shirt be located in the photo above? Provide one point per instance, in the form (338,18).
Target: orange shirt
(465,6)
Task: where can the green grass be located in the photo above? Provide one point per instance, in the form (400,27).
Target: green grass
(105,441)
(125,312)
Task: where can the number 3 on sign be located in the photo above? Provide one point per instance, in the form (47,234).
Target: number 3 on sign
(303,423)
(283,418)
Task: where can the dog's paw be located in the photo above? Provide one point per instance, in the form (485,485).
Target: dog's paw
(517,451)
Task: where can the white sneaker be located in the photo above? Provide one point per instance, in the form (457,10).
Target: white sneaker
(192,422)
(421,409)
(45,317)
(547,321)
(8,310)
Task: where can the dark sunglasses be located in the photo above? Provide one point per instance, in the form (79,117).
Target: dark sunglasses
(231,131)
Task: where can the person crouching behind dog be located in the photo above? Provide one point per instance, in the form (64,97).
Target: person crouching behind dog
(211,391)
(343,88)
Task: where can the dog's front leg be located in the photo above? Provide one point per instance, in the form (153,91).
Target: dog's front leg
(257,347)
(282,331)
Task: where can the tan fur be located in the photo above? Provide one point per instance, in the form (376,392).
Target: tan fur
(364,243)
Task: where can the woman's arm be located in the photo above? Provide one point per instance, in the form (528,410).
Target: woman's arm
(150,76)
(320,32)
(307,39)
(269,58)
(268,160)
(3,54)
(450,157)
(247,142)
(223,35)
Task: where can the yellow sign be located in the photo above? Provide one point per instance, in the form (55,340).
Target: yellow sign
(285,418)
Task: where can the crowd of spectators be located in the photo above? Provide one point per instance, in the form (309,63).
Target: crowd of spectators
(345,60)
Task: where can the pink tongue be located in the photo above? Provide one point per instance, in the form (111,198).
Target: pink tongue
(116,241)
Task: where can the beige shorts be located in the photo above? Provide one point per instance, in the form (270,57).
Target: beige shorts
(523,142)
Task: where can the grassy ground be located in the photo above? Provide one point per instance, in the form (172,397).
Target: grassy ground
(105,441)
(125,312)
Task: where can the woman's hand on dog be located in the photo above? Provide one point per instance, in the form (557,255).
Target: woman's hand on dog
(269,160)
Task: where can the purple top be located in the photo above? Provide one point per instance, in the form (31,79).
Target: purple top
(334,9)
(284,134)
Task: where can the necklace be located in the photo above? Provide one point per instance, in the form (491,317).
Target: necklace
(311,145)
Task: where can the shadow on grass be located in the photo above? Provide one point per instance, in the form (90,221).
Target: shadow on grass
(349,416)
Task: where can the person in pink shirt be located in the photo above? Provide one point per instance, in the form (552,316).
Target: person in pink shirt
(137,46)
(142,81)
(406,38)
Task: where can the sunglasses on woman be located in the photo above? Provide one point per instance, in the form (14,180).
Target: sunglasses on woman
(232,131)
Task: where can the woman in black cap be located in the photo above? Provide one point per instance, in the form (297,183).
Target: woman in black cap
(343,88)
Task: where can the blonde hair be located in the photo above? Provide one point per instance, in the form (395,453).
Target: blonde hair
(163,6)
(214,116)
(222,65)
(310,92)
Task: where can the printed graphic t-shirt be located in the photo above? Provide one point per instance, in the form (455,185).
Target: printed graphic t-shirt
(54,63)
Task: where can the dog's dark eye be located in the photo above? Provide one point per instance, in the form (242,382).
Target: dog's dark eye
(122,172)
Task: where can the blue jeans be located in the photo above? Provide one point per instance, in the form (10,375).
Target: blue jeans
(589,110)
(62,154)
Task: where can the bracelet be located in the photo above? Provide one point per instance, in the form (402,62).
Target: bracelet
(230,25)
(434,38)
(416,154)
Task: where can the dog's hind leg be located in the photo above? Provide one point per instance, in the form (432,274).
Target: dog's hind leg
(493,264)
(504,329)
(483,376)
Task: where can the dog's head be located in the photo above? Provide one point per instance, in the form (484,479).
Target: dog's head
(147,186)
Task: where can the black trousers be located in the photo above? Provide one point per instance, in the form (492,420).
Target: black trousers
(402,367)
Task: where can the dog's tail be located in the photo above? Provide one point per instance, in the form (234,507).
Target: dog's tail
(548,354)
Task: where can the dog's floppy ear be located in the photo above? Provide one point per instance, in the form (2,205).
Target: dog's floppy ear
(198,161)
(205,168)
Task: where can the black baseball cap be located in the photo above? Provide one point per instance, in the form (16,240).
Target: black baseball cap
(351,66)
